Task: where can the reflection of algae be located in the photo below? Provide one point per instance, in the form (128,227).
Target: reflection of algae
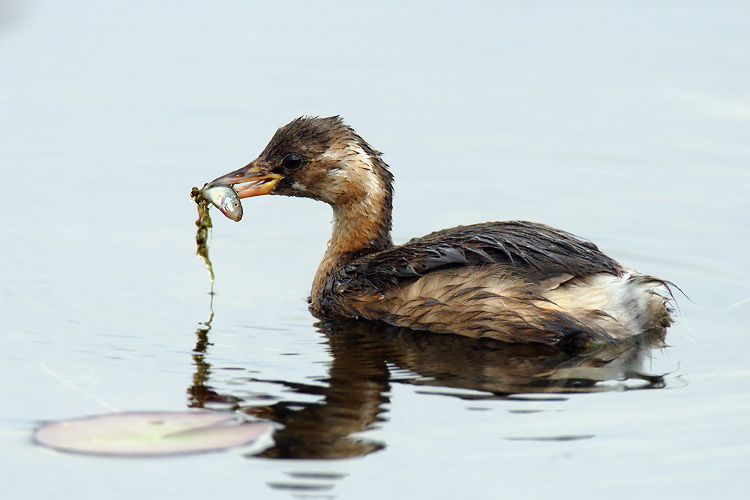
(201,236)
(200,392)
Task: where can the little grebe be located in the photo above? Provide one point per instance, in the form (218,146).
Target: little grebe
(510,281)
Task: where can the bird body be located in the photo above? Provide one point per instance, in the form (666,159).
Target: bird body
(509,281)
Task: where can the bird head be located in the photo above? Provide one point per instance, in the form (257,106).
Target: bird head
(319,158)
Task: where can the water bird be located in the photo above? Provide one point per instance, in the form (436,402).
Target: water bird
(510,281)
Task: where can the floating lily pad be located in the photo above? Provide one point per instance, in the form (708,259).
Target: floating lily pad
(151,433)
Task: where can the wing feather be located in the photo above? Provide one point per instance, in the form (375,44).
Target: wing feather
(528,251)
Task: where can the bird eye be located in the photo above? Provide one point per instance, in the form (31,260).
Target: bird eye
(292,161)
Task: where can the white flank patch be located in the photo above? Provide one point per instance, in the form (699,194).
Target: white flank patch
(626,298)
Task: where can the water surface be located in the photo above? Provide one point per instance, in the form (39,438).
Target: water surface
(624,125)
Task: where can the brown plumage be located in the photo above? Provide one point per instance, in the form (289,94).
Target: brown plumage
(510,281)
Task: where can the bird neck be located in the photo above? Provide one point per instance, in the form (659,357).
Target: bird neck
(361,226)
(359,229)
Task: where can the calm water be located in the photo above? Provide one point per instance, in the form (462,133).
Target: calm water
(628,126)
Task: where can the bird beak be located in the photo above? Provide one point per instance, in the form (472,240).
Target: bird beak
(250,180)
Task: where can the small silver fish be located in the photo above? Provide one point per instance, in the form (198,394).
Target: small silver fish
(225,199)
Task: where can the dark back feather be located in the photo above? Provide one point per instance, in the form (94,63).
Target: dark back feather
(529,251)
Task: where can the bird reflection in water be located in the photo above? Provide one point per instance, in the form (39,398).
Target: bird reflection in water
(366,358)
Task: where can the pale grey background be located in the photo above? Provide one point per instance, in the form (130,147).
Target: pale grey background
(626,123)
